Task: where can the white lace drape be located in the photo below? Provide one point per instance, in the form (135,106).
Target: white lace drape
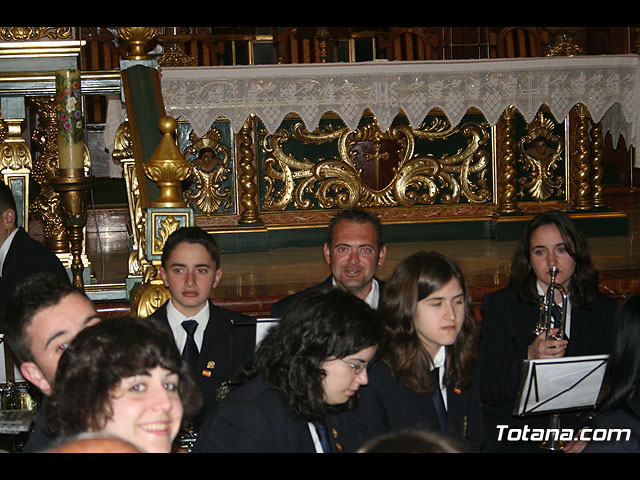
(607,85)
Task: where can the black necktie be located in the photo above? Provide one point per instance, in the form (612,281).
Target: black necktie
(556,314)
(323,435)
(190,352)
(438,402)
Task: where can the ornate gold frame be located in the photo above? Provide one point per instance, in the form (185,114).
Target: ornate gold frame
(338,182)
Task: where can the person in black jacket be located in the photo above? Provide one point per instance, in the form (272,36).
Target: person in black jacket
(354,250)
(21,255)
(618,408)
(425,378)
(509,317)
(307,368)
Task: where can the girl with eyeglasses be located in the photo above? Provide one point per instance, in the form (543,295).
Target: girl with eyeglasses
(306,369)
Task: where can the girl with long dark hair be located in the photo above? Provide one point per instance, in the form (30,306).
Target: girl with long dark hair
(509,317)
(425,377)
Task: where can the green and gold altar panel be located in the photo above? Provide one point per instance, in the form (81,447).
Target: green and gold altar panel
(436,163)
(541,153)
(212,189)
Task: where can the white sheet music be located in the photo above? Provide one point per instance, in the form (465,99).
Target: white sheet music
(551,385)
(262,327)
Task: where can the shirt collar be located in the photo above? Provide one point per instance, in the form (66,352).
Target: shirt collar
(440,358)
(374,294)
(4,248)
(175,316)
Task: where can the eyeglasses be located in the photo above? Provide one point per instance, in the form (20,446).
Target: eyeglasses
(357,369)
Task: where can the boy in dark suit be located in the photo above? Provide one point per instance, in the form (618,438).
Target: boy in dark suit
(222,340)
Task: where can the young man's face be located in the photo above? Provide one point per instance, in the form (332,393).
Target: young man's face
(190,273)
(50,332)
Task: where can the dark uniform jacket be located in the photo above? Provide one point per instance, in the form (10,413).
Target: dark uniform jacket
(506,333)
(257,419)
(388,405)
(228,344)
(25,256)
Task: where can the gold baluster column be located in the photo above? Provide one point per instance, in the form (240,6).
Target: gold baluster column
(582,196)
(507,202)
(250,214)
(597,172)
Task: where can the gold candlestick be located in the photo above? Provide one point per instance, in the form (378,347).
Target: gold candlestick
(72,190)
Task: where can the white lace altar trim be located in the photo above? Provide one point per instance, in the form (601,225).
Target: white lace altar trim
(607,85)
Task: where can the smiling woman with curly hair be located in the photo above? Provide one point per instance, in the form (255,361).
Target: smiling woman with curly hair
(124,377)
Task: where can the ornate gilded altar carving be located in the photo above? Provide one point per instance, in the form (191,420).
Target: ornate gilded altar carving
(15,164)
(173,53)
(167,225)
(150,295)
(597,171)
(377,169)
(47,205)
(154,222)
(34,33)
(563,44)
(247,180)
(210,170)
(137,39)
(168,168)
(541,152)
(123,153)
(146,246)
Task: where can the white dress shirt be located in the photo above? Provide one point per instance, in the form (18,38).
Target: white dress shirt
(4,249)
(176,318)
(439,362)
(374,294)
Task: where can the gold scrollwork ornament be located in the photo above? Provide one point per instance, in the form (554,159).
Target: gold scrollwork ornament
(210,170)
(339,181)
(541,151)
